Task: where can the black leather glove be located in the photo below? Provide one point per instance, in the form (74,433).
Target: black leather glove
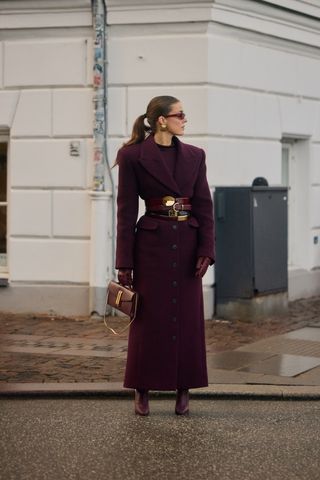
(125,277)
(202,266)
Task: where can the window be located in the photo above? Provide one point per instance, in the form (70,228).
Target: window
(3,205)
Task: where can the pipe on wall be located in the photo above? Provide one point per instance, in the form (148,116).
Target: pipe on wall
(102,245)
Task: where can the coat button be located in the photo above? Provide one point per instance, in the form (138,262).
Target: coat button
(174,283)
(174,227)
(174,246)
(174,265)
(174,300)
(174,319)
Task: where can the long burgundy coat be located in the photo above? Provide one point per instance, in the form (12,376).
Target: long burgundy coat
(166,347)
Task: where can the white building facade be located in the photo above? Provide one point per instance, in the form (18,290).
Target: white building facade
(248,75)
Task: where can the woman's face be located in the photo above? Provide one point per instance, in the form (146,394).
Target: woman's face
(175,120)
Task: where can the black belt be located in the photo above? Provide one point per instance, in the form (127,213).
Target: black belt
(180,217)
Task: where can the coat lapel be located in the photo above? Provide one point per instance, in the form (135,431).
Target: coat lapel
(186,167)
(151,160)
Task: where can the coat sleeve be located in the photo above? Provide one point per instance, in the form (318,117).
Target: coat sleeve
(202,209)
(128,205)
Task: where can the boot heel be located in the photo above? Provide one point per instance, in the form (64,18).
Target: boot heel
(141,402)
(182,402)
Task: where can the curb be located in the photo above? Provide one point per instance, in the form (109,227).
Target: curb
(116,390)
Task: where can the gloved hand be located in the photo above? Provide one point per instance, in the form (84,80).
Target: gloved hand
(202,266)
(125,277)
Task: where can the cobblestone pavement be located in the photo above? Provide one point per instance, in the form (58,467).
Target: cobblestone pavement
(44,349)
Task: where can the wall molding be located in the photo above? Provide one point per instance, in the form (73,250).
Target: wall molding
(263,17)
(26,14)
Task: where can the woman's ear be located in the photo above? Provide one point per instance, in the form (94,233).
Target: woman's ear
(161,122)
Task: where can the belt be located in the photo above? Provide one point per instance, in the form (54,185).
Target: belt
(168,205)
(181,217)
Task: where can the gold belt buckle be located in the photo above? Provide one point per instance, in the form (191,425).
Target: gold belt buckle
(168,201)
(173,213)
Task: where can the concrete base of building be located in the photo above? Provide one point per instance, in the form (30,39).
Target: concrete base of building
(208,301)
(97,301)
(66,299)
(303,283)
(252,309)
(45,299)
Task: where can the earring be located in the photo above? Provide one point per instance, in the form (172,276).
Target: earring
(163,126)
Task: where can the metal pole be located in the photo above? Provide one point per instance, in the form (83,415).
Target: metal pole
(102,194)
(99,98)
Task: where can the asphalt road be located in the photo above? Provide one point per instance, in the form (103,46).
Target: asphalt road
(100,438)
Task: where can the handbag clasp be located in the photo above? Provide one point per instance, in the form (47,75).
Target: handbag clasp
(118,298)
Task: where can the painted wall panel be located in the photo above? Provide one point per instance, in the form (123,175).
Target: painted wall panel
(33,114)
(316,135)
(46,164)
(315,164)
(72,112)
(239,63)
(71,214)
(49,260)
(157,59)
(1,64)
(113,145)
(30,213)
(45,62)
(241,113)
(8,105)
(88,148)
(27,20)
(309,76)
(238,162)
(298,116)
(117,111)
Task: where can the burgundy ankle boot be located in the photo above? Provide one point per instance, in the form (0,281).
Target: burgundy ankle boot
(141,402)
(182,403)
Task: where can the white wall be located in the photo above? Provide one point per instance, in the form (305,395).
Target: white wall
(46,102)
(247,73)
(243,90)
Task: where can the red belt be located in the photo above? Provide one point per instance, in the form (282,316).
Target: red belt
(168,204)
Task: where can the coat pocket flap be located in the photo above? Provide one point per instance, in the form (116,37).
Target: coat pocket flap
(193,222)
(147,223)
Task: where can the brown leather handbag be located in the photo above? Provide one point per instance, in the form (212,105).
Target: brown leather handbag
(123,299)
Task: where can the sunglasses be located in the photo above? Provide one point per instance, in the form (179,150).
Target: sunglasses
(180,115)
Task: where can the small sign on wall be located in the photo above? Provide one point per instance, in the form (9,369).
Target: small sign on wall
(74,149)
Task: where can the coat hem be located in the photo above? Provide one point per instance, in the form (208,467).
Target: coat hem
(164,389)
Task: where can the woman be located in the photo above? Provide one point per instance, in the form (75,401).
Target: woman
(164,255)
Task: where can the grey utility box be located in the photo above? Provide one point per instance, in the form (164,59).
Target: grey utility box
(251,250)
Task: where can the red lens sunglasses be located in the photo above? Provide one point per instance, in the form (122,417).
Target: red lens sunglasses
(180,115)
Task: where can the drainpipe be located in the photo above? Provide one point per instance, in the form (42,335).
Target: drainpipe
(102,193)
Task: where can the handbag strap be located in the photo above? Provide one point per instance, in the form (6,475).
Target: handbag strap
(126,327)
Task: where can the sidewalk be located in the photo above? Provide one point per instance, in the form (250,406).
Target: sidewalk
(276,357)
